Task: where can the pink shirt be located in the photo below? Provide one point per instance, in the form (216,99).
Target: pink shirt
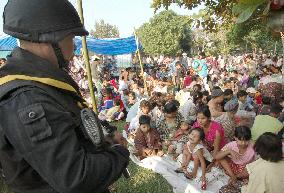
(211,134)
(245,158)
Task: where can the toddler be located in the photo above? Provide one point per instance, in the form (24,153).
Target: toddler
(179,139)
(194,150)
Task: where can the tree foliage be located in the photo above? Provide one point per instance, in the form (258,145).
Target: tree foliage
(244,21)
(215,12)
(166,33)
(104,30)
(214,43)
(252,36)
(225,11)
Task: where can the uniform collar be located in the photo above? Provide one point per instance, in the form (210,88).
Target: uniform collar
(23,65)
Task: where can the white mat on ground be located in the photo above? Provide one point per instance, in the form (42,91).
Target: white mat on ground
(166,166)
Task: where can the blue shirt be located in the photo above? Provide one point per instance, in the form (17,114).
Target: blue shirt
(197,63)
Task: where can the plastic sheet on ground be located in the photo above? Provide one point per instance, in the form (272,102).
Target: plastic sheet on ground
(165,166)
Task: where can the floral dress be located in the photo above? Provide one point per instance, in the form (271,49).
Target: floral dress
(228,124)
(167,130)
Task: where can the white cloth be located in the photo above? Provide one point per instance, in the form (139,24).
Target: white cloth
(182,97)
(278,78)
(206,153)
(132,112)
(134,124)
(165,166)
(122,85)
(161,89)
(188,110)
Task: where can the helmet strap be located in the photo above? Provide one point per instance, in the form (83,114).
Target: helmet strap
(63,64)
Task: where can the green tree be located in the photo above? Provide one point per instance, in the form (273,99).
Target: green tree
(223,11)
(104,30)
(212,42)
(166,33)
(214,13)
(254,37)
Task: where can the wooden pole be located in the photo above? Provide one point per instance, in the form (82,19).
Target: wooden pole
(86,58)
(275,47)
(140,62)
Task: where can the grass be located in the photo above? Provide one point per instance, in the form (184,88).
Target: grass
(141,181)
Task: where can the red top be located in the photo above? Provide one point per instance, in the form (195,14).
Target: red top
(187,81)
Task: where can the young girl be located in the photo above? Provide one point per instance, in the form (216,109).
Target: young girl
(235,155)
(179,139)
(147,140)
(201,156)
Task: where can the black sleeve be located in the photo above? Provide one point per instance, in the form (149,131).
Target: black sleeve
(44,134)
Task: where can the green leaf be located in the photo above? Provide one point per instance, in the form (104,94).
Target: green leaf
(246,12)
(252,2)
(245,8)
(238,9)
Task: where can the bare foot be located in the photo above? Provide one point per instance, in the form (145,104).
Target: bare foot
(160,153)
(188,175)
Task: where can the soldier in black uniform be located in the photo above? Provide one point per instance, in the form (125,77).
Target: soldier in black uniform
(43,148)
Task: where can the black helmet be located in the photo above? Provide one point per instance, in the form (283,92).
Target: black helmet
(46,21)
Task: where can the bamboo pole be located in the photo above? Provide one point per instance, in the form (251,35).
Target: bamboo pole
(275,47)
(140,62)
(282,40)
(86,58)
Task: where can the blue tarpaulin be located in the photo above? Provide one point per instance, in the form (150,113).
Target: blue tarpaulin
(109,46)
(7,43)
(117,46)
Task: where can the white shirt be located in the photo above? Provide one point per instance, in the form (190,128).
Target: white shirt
(206,153)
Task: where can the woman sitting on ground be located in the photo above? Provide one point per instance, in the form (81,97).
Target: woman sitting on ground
(214,132)
(169,122)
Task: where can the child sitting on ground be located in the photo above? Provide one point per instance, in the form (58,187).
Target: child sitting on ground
(194,149)
(235,155)
(147,140)
(112,113)
(179,139)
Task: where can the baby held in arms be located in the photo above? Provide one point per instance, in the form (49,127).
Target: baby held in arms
(180,137)
(194,150)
